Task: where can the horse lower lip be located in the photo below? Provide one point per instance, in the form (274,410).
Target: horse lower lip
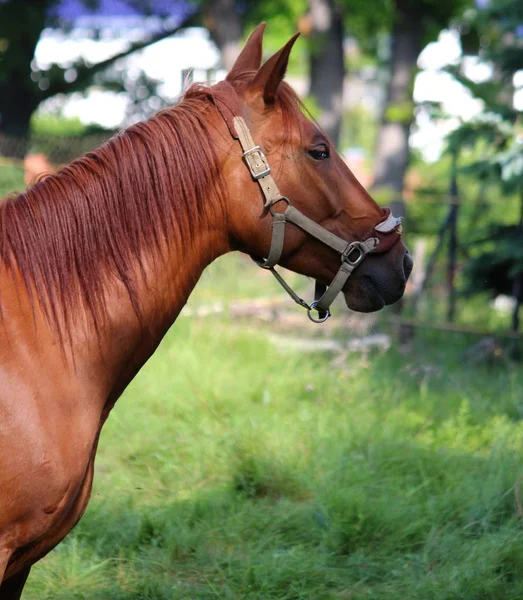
(378,301)
(371,300)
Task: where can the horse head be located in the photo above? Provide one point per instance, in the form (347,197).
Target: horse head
(311,176)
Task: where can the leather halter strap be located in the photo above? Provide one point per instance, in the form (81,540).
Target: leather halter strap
(380,239)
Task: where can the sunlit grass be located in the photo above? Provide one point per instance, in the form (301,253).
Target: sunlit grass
(233,470)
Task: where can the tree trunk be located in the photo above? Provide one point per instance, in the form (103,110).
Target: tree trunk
(21,23)
(14,124)
(19,96)
(327,66)
(392,153)
(225,25)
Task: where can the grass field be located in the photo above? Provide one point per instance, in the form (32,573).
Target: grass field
(233,468)
(236,468)
(11,178)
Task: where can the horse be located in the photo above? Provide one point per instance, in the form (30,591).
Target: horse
(98,259)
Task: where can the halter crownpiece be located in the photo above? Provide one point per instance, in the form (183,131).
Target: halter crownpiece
(378,240)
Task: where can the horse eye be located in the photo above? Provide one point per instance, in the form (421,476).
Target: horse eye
(321,152)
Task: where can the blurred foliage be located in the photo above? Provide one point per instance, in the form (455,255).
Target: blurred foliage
(45,124)
(489,91)
(24,85)
(493,32)
(366,20)
(56,125)
(282,15)
(494,143)
(501,159)
(359,130)
(501,260)
(11,179)
(400,112)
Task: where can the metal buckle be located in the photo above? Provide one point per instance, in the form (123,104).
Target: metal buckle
(255,175)
(345,256)
(312,307)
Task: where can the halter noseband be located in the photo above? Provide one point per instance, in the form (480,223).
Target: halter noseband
(380,239)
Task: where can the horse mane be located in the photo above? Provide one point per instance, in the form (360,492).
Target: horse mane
(71,233)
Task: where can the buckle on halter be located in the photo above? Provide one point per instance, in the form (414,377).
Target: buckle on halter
(256,162)
(353,247)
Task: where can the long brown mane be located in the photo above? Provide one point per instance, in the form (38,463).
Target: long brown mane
(95,219)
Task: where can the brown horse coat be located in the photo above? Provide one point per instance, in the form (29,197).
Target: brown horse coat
(97,261)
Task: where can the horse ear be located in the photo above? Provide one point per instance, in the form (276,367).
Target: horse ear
(271,74)
(251,55)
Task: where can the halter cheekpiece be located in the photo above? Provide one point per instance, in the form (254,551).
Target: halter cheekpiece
(380,239)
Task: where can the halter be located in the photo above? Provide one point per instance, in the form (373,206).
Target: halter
(380,238)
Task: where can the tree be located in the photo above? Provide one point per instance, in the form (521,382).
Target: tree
(225,22)
(323,25)
(392,153)
(497,266)
(414,24)
(229,20)
(23,88)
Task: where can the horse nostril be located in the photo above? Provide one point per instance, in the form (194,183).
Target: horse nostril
(408,263)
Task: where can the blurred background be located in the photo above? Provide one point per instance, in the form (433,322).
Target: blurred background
(258,455)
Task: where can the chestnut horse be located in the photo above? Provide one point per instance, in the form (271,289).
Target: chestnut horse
(97,261)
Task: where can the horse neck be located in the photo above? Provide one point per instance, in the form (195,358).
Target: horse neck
(163,285)
(130,229)
(131,340)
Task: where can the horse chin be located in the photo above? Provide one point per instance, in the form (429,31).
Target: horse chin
(364,299)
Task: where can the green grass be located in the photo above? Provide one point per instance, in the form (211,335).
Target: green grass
(11,179)
(232,469)
(236,469)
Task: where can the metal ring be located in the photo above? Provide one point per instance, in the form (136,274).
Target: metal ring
(353,247)
(313,307)
(282,199)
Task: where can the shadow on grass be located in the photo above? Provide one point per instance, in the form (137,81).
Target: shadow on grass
(384,520)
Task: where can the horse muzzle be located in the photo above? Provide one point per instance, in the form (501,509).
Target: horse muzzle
(380,280)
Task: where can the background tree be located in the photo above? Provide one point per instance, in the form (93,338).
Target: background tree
(225,20)
(230,21)
(323,25)
(497,262)
(23,87)
(414,24)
